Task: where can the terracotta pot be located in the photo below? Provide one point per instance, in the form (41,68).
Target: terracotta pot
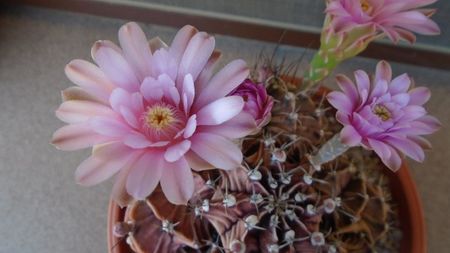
(404,192)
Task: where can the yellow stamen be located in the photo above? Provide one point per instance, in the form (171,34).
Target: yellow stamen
(159,117)
(365,6)
(382,112)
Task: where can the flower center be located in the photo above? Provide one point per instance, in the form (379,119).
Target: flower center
(365,6)
(159,117)
(382,112)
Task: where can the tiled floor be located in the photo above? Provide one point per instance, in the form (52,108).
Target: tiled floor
(43,210)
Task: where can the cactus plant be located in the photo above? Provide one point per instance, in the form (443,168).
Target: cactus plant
(277,201)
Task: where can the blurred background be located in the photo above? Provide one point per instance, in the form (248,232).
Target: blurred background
(41,207)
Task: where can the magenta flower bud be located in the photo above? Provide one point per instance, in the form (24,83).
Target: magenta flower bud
(257,102)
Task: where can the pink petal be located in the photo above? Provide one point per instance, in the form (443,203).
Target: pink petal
(176,151)
(106,160)
(400,84)
(145,175)
(382,149)
(196,55)
(412,112)
(109,126)
(416,22)
(225,81)
(220,110)
(136,140)
(401,99)
(89,77)
(348,87)
(207,72)
(77,136)
(191,125)
(408,147)
(156,43)
(350,136)
(216,150)
(383,72)
(422,142)
(342,118)
(129,116)
(152,89)
(393,162)
(135,48)
(114,65)
(77,111)
(239,126)
(197,163)
(419,95)
(362,80)
(77,93)
(181,41)
(177,182)
(188,92)
(119,191)
(340,101)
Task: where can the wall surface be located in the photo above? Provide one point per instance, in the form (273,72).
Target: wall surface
(42,208)
(299,12)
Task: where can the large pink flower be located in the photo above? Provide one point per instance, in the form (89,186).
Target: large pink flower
(384,115)
(153,112)
(396,18)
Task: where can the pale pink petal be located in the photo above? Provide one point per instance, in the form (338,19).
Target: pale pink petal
(176,151)
(216,150)
(341,102)
(77,111)
(383,72)
(362,80)
(188,92)
(382,149)
(136,140)
(78,93)
(220,110)
(207,72)
(129,116)
(412,112)
(109,126)
(181,41)
(422,142)
(106,160)
(400,84)
(225,81)
(196,55)
(342,118)
(177,182)
(156,43)
(145,174)
(191,126)
(119,191)
(197,163)
(114,65)
(135,48)
(393,162)
(419,95)
(350,136)
(152,89)
(348,87)
(408,147)
(239,126)
(89,77)
(415,21)
(401,99)
(77,136)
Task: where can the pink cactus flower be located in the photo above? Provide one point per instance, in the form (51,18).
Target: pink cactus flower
(384,115)
(153,113)
(257,102)
(395,18)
